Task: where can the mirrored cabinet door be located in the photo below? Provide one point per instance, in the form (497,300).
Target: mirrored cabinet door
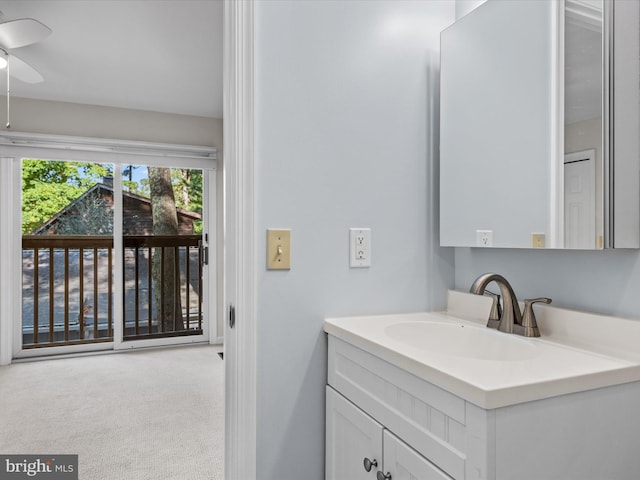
(582,161)
(539,102)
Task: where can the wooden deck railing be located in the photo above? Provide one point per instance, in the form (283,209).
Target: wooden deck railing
(67,288)
(187,283)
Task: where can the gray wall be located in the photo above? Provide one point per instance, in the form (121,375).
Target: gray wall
(598,281)
(61,118)
(346,97)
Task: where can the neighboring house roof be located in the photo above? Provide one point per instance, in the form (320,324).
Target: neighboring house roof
(137,219)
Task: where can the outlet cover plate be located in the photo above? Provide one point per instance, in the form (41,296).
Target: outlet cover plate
(484,238)
(359,247)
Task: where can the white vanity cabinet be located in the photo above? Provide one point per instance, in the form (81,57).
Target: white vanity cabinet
(353,437)
(417,430)
(413,429)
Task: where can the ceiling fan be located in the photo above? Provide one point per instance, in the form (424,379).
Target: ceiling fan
(15,34)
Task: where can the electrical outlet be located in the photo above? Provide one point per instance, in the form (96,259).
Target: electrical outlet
(484,238)
(359,247)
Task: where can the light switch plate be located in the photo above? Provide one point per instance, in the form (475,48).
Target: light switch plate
(537,240)
(278,249)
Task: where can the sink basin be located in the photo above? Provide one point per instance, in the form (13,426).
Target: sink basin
(462,340)
(454,350)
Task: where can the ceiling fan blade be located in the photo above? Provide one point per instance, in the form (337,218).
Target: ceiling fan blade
(23,71)
(22,32)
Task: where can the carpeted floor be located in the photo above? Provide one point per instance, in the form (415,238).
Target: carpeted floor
(152,414)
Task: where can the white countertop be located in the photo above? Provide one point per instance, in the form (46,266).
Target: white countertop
(542,367)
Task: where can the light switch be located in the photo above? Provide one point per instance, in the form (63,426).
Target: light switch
(278,249)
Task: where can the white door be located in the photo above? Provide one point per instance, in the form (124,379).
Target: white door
(352,436)
(579,200)
(401,462)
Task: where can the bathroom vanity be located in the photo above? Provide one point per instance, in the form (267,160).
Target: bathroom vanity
(440,396)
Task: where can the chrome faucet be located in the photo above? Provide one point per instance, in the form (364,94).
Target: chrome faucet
(511,311)
(510,320)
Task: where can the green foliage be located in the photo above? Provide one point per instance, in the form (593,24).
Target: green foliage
(130,186)
(49,186)
(139,186)
(187,185)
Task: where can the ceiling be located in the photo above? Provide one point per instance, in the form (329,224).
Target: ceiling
(154,55)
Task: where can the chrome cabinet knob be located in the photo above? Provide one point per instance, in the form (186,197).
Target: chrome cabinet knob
(382,476)
(369,463)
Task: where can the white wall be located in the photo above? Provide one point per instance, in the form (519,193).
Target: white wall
(346,97)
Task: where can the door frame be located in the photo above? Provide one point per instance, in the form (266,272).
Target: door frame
(240,242)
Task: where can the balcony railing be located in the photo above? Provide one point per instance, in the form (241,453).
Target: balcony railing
(68,285)
(142,298)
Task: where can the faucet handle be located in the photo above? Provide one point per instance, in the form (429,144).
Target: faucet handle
(529,323)
(496,310)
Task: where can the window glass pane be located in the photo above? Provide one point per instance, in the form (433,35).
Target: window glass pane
(67,252)
(162,226)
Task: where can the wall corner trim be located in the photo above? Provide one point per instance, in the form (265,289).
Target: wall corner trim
(239,243)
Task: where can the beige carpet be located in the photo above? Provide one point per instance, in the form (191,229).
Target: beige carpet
(152,414)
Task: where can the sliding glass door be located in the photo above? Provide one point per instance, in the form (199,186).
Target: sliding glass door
(165,251)
(67,253)
(114,255)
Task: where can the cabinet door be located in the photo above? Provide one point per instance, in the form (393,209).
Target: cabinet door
(351,437)
(403,463)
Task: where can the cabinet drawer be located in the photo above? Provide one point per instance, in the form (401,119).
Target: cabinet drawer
(424,416)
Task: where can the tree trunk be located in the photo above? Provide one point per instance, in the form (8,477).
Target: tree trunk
(185,176)
(166,280)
